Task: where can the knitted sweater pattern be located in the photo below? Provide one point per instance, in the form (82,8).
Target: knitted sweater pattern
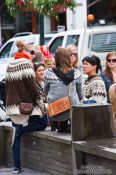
(55,89)
(94,88)
(21,86)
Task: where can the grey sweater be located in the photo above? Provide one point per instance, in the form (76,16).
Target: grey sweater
(55,89)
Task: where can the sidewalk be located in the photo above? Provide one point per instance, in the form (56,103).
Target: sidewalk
(8,171)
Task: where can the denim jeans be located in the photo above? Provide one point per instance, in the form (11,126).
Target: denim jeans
(89,101)
(35,123)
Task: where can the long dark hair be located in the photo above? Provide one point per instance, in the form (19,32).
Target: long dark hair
(93,60)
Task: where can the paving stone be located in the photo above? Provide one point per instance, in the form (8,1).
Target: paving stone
(8,171)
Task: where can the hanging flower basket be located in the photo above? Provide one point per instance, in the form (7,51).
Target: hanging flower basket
(44,7)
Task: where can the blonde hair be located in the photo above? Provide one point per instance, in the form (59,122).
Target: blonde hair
(21,45)
(71,47)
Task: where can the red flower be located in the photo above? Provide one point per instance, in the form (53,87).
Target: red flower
(68,1)
(20,2)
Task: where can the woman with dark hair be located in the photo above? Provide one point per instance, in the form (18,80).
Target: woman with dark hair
(109,74)
(94,87)
(58,80)
(39,69)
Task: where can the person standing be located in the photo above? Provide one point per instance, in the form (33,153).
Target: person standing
(21,87)
(57,82)
(109,74)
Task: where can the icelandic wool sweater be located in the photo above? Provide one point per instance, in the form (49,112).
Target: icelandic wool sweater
(55,89)
(21,86)
(94,88)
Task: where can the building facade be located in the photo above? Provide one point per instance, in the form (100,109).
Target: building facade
(103,10)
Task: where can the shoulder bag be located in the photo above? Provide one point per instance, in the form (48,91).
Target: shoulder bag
(60,106)
(25,108)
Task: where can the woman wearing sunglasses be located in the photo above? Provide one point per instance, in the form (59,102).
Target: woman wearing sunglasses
(72,49)
(109,74)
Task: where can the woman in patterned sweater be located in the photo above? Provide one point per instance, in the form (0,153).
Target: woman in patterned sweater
(94,87)
(21,87)
(57,82)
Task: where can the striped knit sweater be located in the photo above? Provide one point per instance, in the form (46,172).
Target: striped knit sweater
(21,86)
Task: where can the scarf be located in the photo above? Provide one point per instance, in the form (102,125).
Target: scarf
(19,55)
(65,77)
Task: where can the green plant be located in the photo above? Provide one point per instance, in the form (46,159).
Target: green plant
(44,7)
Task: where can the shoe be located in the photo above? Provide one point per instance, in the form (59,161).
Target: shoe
(54,125)
(17,170)
(66,130)
(64,127)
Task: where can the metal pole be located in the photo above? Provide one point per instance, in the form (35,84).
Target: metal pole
(41,29)
(93,3)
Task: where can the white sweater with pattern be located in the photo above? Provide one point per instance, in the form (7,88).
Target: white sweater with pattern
(94,88)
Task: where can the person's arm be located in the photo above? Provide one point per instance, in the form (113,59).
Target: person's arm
(30,83)
(98,91)
(46,86)
(46,83)
(79,88)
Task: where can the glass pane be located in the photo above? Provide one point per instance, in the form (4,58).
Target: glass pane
(105,42)
(72,39)
(6,50)
(57,42)
(47,39)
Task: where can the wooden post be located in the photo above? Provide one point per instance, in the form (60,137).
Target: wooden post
(34,22)
(2,147)
(92,121)
(53,24)
(41,29)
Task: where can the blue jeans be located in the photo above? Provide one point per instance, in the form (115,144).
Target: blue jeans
(35,123)
(89,101)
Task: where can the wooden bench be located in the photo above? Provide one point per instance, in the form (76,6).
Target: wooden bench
(93,139)
(65,154)
(45,151)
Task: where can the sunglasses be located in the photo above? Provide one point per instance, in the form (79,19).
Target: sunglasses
(74,54)
(113,60)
